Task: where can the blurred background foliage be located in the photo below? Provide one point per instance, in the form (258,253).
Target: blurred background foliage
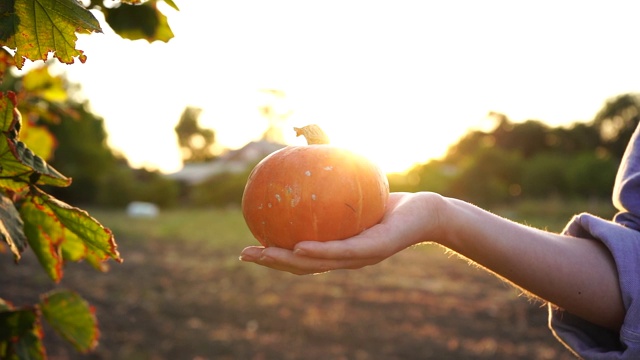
(528,160)
(512,161)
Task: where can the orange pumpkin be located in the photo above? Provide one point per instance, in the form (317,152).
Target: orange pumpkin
(315,192)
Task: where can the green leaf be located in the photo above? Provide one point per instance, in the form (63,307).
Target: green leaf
(172,4)
(10,118)
(135,22)
(41,84)
(137,2)
(6,59)
(15,323)
(57,232)
(39,139)
(96,237)
(30,345)
(74,249)
(71,317)
(5,305)
(45,236)
(11,230)
(34,28)
(20,333)
(20,166)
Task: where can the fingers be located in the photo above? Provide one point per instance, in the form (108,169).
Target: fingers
(295,263)
(312,257)
(364,246)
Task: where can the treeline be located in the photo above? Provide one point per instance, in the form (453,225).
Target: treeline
(101,177)
(531,159)
(74,141)
(513,161)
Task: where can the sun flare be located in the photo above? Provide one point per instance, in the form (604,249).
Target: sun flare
(394,150)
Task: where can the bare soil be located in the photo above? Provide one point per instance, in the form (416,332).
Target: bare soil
(185,300)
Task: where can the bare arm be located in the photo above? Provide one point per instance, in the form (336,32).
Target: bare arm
(578,275)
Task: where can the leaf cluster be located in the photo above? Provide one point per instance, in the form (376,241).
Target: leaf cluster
(30,217)
(34,29)
(66,312)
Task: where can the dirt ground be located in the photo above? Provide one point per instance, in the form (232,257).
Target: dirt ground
(182,300)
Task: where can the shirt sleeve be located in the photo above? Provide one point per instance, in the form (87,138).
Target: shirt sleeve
(622,237)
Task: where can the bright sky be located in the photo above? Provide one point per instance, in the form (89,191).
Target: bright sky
(396,80)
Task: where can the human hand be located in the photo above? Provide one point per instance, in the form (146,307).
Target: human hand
(410,218)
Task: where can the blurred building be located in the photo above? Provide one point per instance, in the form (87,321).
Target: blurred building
(232,161)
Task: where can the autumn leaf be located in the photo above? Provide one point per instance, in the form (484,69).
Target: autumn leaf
(143,21)
(35,28)
(20,333)
(39,139)
(58,232)
(11,230)
(39,82)
(6,61)
(71,317)
(172,4)
(137,2)
(20,166)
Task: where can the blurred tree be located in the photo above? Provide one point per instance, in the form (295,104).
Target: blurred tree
(543,175)
(82,153)
(468,144)
(435,175)
(100,176)
(528,159)
(591,175)
(124,185)
(527,138)
(221,190)
(574,139)
(616,122)
(196,143)
(489,175)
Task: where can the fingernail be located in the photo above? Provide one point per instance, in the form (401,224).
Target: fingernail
(299,252)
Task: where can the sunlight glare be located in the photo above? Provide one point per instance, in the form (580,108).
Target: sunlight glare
(394,149)
(398,94)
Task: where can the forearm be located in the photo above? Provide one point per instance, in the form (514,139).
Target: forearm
(578,275)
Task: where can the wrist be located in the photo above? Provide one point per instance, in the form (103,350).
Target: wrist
(452,220)
(437,209)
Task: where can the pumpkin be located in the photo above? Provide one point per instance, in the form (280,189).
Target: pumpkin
(314,192)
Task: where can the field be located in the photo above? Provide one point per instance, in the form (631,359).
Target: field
(182,293)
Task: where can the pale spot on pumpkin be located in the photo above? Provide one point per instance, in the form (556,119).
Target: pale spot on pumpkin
(328,168)
(260,206)
(278,197)
(295,201)
(269,205)
(313,197)
(308,173)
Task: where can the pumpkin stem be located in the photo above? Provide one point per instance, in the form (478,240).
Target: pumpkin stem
(313,133)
